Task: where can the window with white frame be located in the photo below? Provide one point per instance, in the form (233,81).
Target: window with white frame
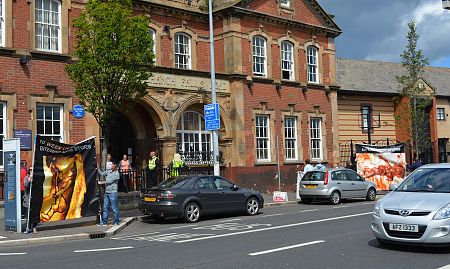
(290,138)
(2,128)
(182,51)
(287,60)
(440,113)
(259,56)
(49,121)
(262,138)
(285,3)
(2,23)
(47,29)
(313,64)
(191,133)
(153,34)
(315,127)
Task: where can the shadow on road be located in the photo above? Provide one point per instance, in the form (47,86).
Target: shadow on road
(409,248)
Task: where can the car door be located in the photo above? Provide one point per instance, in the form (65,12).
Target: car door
(233,200)
(356,183)
(339,180)
(209,196)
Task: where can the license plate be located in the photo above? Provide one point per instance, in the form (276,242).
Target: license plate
(404,227)
(310,186)
(149,199)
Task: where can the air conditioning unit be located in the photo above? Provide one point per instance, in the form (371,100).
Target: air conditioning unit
(446,4)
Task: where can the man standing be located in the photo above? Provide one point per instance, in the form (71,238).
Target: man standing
(108,161)
(308,167)
(112,179)
(153,170)
(176,165)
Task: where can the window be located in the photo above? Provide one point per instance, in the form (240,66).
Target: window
(315,126)
(441,113)
(203,184)
(366,117)
(290,138)
(153,34)
(287,60)
(48,121)
(47,25)
(262,138)
(259,56)
(2,128)
(2,23)
(191,134)
(182,51)
(222,184)
(285,3)
(313,65)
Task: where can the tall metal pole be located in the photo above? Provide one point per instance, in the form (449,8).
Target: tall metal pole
(215,133)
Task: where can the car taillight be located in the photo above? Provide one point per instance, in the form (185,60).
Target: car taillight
(325,180)
(166,195)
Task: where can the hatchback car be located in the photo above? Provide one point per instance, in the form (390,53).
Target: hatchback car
(190,197)
(335,184)
(418,210)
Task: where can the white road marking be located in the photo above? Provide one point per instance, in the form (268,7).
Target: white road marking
(340,206)
(101,249)
(132,235)
(275,227)
(273,215)
(230,226)
(13,254)
(230,220)
(308,210)
(184,226)
(3,237)
(445,267)
(284,248)
(168,237)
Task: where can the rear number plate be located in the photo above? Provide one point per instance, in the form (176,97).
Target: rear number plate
(310,186)
(404,227)
(149,199)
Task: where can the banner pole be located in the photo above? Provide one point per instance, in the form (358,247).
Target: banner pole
(31,187)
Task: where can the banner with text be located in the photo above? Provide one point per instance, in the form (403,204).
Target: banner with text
(383,165)
(64,179)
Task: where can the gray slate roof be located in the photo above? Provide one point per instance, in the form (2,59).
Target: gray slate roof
(379,77)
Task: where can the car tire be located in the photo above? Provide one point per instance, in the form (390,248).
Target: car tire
(335,198)
(192,212)
(306,201)
(371,194)
(252,206)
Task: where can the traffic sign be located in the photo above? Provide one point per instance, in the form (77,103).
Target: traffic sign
(212,117)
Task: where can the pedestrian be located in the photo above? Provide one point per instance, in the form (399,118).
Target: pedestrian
(111,185)
(416,164)
(176,165)
(308,167)
(108,161)
(124,169)
(28,181)
(319,166)
(23,174)
(154,166)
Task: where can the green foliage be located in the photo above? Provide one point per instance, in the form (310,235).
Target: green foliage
(114,55)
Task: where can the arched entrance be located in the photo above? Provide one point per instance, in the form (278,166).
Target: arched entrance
(133,132)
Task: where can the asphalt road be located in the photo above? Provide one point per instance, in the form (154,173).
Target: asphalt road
(294,236)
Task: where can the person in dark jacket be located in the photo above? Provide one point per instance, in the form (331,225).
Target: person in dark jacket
(28,181)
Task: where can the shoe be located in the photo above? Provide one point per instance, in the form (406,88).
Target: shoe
(116,224)
(34,230)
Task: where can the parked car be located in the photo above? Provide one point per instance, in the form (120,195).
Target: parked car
(335,184)
(418,210)
(191,197)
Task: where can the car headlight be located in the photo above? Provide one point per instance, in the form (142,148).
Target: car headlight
(443,213)
(376,209)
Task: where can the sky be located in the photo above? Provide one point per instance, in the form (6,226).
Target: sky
(377,29)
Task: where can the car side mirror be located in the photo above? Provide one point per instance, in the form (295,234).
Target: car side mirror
(235,187)
(393,186)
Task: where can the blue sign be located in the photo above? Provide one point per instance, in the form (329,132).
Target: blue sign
(11,191)
(212,117)
(78,111)
(25,138)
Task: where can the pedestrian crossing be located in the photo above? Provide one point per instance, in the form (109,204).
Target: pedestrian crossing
(161,237)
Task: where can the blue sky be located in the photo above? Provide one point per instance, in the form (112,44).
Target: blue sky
(376,30)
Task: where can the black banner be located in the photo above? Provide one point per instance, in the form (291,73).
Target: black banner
(64,180)
(364,148)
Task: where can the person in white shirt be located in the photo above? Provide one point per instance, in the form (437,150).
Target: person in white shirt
(308,167)
(108,162)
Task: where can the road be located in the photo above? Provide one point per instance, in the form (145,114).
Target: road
(294,236)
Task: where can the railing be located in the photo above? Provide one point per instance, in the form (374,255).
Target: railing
(199,157)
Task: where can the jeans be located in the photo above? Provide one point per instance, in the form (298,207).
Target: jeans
(111,198)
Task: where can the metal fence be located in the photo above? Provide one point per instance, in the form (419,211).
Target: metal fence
(346,149)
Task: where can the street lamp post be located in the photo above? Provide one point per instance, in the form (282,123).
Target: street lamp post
(215,133)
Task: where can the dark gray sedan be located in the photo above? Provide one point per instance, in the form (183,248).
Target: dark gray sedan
(190,197)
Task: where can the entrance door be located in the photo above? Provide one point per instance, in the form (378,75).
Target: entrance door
(122,139)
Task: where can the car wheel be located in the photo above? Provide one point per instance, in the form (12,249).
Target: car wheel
(335,198)
(371,194)
(252,206)
(306,201)
(192,212)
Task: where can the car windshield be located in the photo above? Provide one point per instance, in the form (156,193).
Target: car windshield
(173,182)
(427,180)
(314,176)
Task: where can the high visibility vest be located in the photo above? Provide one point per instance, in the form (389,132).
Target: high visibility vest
(176,165)
(152,163)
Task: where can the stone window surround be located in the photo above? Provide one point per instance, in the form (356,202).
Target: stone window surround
(260,32)
(318,114)
(51,98)
(320,52)
(272,137)
(157,41)
(193,38)
(10,100)
(64,31)
(298,116)
(296,47)
(8,24)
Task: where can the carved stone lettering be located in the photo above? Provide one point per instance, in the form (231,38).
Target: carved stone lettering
(161,80)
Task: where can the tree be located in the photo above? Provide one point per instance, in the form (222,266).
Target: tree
(114,55)
(419,100)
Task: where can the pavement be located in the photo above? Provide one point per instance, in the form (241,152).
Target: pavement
(86,228)
(290,236)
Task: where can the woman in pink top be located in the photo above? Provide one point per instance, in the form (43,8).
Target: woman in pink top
(124,170)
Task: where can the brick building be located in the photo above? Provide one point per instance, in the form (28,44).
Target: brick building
(275,64)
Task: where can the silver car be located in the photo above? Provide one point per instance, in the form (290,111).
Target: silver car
(335,184)
(417,210)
